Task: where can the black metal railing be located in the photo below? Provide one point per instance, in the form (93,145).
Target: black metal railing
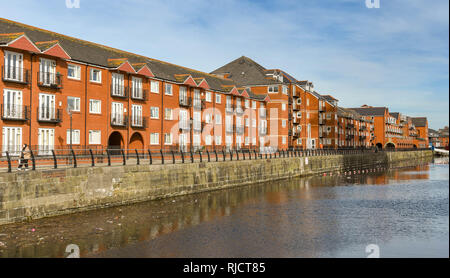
(15,112)
(15,74)
(44,157)
(119,91)
(139,122)
(185,101)
(49,115)
(50,80)
(141,95)
(119,120)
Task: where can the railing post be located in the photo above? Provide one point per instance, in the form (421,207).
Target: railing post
(215,152)
(74,158)
(256,157)
(182,156)
(173,157)
(92,158)
(192,157)
(109,157)
(243,154)
(223,155)
(150,156)
(201,158)
(123,157)
(32,160)
(138,162)
(162,156)
(209,157)
(237,154)
(55,164)
(231,155)
(9,162)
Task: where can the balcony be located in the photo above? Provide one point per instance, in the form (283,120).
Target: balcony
(15,112)
(322,122)
(119,120)
(263,131)
(362,128)
(15,74)
(141,95)
(119,91)
(229,129)
(185,101)
(49,115)
(198,104)
(239,110)
(322,109)
(295,133)
(350,126)
(296,120)
(139,122)
(50,80)
(296,107)
(349,137)
(239,129)
(198,126)
(229,108)
(262,112)
(184,126)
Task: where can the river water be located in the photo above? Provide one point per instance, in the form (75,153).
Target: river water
(403,211)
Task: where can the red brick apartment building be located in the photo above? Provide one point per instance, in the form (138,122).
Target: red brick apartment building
(116,98)
(61,92)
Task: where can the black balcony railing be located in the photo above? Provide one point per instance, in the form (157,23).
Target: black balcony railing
(49,115)
(229,108)
(349,126)
(322,122)
(139,122)
(15,112)
(239,129)
(15,74)
(50,79)
(139,95)
(119,120)
(119,91)
(198,104)
(197,126)
(321,109)
(296,107)
(185,101)
(184,126)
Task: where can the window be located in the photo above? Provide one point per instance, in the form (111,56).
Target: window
(307,101)
(154,87)
(283,140)
(283,107)
(46,107)
(197,140)
(46,140)
(247,103)
(154,138)
(247,122)
(307,115)
(218,98)
(247,140)
(253,104)
(13,66)
(73,72)
(73,104)
(254,141)
(95,106)
(197,123)
(117,115)
(218,119)
(12,104)
(168,89)
(168,114)
(283,123)
(117,85)
(208,118)
(272,89)
(285,90)
(47,72)
(136,116)
(228,141)
(96,76)
(95,137)
(12,140)
(136,86)
(328,116)
(168,138)
(253,122)
(218,140)
(75,136)
(154,112)
(208,97)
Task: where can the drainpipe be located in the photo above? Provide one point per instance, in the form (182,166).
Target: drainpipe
(86,103)
(161,137)
(31,97)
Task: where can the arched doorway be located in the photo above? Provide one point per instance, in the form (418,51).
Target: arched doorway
(390,146)
(115,141)
(379,146)
(136,142)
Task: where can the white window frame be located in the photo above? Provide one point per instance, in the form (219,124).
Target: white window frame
(168,139)
(75,137)
(91,75)
(97,104)
(91,137)
(77,102)
(170,118)
(12,140)
(168,92)
(218,98)
(155,136)
(154,86)
(76,70)
(208,96)
(156,109)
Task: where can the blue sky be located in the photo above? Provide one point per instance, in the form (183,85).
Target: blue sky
(395,56)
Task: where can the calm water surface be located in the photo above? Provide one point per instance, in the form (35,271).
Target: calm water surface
(404,211)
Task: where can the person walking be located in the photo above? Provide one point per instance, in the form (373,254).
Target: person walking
(25,155)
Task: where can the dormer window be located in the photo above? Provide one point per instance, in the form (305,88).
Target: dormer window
(273,89)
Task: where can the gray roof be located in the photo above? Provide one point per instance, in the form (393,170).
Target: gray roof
(419,121)
(394,114)
(96,54)
(244,71)
(370,111)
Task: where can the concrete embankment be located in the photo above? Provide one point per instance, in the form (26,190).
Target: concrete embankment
(38,194)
